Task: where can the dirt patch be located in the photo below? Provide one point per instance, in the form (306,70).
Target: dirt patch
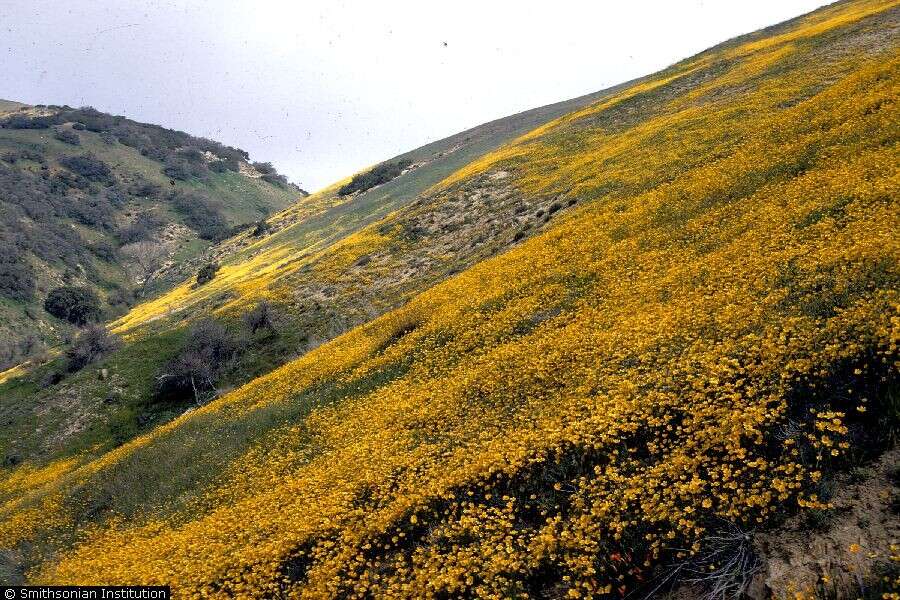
(248,171)
(849,551)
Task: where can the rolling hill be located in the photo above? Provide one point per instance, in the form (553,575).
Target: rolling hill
(604,349)
(105,203)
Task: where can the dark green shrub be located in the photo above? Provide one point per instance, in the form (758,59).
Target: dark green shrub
(207,273)
(275,179)
(87,166)
(145,226)
(218,166)
(67,136)
(264,168)
(25,122)
(183,169)
(261,316)
(380,174)
(104,250)
(191,155)
(17,279)
(261,228)
(74,304)
(177,169)
(145,189)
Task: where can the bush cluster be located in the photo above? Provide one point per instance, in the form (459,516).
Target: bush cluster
(380,174)
(91,344)
(17,277)
(202,214)
(67,136)
(88,166)
(31,198)
(207,273)
(182,154)
(144,227)
(77,305)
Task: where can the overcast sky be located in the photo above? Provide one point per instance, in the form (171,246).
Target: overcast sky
(325,88)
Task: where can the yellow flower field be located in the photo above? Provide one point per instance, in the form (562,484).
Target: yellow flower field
(567,416)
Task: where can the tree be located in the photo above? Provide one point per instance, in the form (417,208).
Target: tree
(196,369)
(147,258)
(78,305)
(262,228)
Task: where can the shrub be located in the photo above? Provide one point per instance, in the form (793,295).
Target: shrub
(120,296)
(194,371)
(91,345)
(261,228)
(88,167)
(207,272)
(24,122)
(218,166)
(104,250)
(35,155)
(177,169)
(183,169)
(116,197)
(191,155)
(108,138)
(17,279)
(260,317)
(264,168)
(67,136)
(144,227)
(74,304)
(78,126)
(380,174)
(202,215)
(275,179)
(95,211)
(145,189)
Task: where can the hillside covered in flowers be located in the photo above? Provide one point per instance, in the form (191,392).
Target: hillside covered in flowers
(683,340)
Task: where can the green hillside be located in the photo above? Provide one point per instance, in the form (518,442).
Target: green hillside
(85,202)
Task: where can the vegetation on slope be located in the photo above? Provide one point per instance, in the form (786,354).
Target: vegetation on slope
(692,349)
(438,235)
(376,176)
(96,200)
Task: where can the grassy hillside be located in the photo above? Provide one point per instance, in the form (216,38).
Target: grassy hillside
(629,340)
(87,223)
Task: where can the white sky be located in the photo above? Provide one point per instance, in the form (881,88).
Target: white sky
(325,88)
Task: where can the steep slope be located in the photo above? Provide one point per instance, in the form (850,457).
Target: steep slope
(698,329)
(92,200)
(292,263)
